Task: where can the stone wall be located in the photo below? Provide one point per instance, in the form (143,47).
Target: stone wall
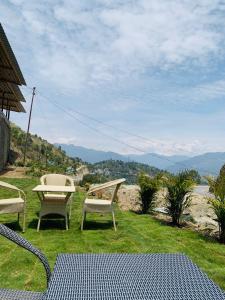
(4,140)
(80,173)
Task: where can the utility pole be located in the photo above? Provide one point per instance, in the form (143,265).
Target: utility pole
(28,127)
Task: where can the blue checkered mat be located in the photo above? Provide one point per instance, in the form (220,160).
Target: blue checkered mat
(129,277)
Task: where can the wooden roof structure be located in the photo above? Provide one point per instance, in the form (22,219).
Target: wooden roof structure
(10,77)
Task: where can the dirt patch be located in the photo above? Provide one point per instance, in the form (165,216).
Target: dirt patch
(14,172)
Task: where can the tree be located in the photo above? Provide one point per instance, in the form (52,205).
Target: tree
(92,178)
(217,188)
(148,188)
(194,175)
(178,197)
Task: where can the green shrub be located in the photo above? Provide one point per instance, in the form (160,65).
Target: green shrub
(194,175)
(92,179)
(217,188)
(148,188)
(178,195)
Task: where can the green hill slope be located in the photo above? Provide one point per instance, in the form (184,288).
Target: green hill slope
(112,169)
(41,155)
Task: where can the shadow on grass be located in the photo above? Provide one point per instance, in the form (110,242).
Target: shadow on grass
(49,222)
(94,225)
(205,235)
(137,212)
(13,225)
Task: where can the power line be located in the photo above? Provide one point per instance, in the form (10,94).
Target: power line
(92,128)
(115,139)
(110,126)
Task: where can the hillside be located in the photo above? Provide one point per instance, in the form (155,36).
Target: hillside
(94,156)
(205,164)
(44,157)
(41,155)
(158,160)
(90,155)
(112,169)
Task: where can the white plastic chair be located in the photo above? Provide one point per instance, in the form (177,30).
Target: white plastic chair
(101,205)
(13,205)
(52,203)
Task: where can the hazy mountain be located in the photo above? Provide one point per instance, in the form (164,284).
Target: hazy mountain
(205,164)
(90,155)
(208,163)
(94,156)
(157,160)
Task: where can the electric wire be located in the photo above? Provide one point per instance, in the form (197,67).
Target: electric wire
(115,139)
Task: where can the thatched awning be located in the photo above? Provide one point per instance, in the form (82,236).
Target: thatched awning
(12,106)
(10,77)
(9,68)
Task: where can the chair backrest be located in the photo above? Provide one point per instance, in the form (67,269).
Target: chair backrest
(19,240)
(56,179)
(114,183)
(8,186)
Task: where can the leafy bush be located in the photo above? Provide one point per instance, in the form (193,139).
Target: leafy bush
(93,178)
(148,188)
(217,187)
(178,196)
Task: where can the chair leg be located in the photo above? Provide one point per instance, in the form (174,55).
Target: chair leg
(70,206)
(24,221)
(70,210)
(39,223)
(66,220)
(82,221)
(114,221)
(18,218)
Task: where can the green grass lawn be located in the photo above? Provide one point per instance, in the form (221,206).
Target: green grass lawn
(136,234)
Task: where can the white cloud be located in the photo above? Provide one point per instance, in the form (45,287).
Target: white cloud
(121,105)
(163,146)
(75,43)
(79,45)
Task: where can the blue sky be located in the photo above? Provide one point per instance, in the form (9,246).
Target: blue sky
(151,68)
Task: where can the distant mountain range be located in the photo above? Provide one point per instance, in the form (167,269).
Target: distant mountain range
(94,156)
(205,164)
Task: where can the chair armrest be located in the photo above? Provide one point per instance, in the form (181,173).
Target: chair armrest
(106,185)
(17,239)
(24,195)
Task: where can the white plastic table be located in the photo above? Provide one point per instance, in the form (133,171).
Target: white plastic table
(54,203)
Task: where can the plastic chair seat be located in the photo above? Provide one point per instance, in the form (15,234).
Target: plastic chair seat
(97,202)
(12,205)
(11,201)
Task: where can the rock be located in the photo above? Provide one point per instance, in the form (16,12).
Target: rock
(80,172)
(199,213)
(129,198)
